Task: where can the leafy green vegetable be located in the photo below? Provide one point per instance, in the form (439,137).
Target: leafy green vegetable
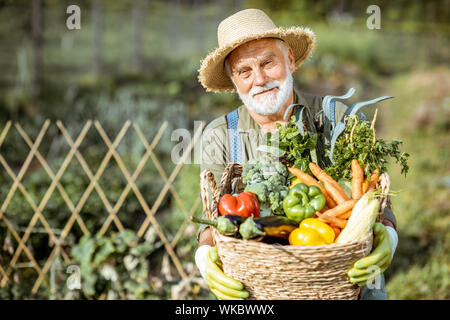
(295,148)
(360,145)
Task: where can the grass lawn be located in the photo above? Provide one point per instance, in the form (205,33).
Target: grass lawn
(419,115)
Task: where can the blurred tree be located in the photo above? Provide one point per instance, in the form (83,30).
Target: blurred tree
(97,22)
(199,30)
(138,22)
(174,21)
(36,45)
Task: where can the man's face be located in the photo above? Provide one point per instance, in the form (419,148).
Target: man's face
(262,74)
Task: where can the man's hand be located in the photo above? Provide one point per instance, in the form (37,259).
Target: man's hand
(206,238)
(223,287)
(380,257)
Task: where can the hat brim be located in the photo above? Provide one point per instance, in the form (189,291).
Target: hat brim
(212,74)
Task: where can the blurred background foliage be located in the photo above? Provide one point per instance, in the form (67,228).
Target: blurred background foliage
(137,60)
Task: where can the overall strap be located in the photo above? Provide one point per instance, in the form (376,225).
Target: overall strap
(233,136)
(332,121)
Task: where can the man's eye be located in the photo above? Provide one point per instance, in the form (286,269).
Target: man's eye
(244,73)
(267,62)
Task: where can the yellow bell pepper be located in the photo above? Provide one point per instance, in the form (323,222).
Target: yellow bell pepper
(312,232)
(294,181)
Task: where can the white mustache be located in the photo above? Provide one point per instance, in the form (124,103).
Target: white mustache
(266,87)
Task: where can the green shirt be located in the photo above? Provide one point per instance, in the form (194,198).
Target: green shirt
(215,146)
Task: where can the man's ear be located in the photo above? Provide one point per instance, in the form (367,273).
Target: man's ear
(291,60)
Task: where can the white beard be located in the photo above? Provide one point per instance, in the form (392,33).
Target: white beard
(270,103)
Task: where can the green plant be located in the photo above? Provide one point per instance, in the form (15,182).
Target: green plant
(295,148)
(114,267)
(359,141)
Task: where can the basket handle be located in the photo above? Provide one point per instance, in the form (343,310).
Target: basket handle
(385,201)
(207,180)
(211,199)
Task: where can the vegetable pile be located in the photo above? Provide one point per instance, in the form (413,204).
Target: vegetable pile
(350,218)
(289,199)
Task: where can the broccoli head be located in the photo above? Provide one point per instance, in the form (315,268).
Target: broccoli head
(260,190)
(267,178)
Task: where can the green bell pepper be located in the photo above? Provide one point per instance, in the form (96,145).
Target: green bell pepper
(303,201)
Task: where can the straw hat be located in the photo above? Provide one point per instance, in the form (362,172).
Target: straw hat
(242,27)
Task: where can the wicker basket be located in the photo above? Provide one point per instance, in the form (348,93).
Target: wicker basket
(272,271)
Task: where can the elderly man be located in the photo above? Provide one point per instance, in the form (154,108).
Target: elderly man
(256,59)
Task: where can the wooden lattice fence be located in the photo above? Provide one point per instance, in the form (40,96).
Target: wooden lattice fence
(56,240)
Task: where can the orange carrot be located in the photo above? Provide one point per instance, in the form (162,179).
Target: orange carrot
(310,181)
(341,208)
(365,185)
(341,223)
(357,180)
(333,188)
(323,220)
(374,180)
(334,193)
(336,230)
(345,215)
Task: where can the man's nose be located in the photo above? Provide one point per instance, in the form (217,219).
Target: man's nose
(260,78)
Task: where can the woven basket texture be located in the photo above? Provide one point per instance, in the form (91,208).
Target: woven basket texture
(273,271)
